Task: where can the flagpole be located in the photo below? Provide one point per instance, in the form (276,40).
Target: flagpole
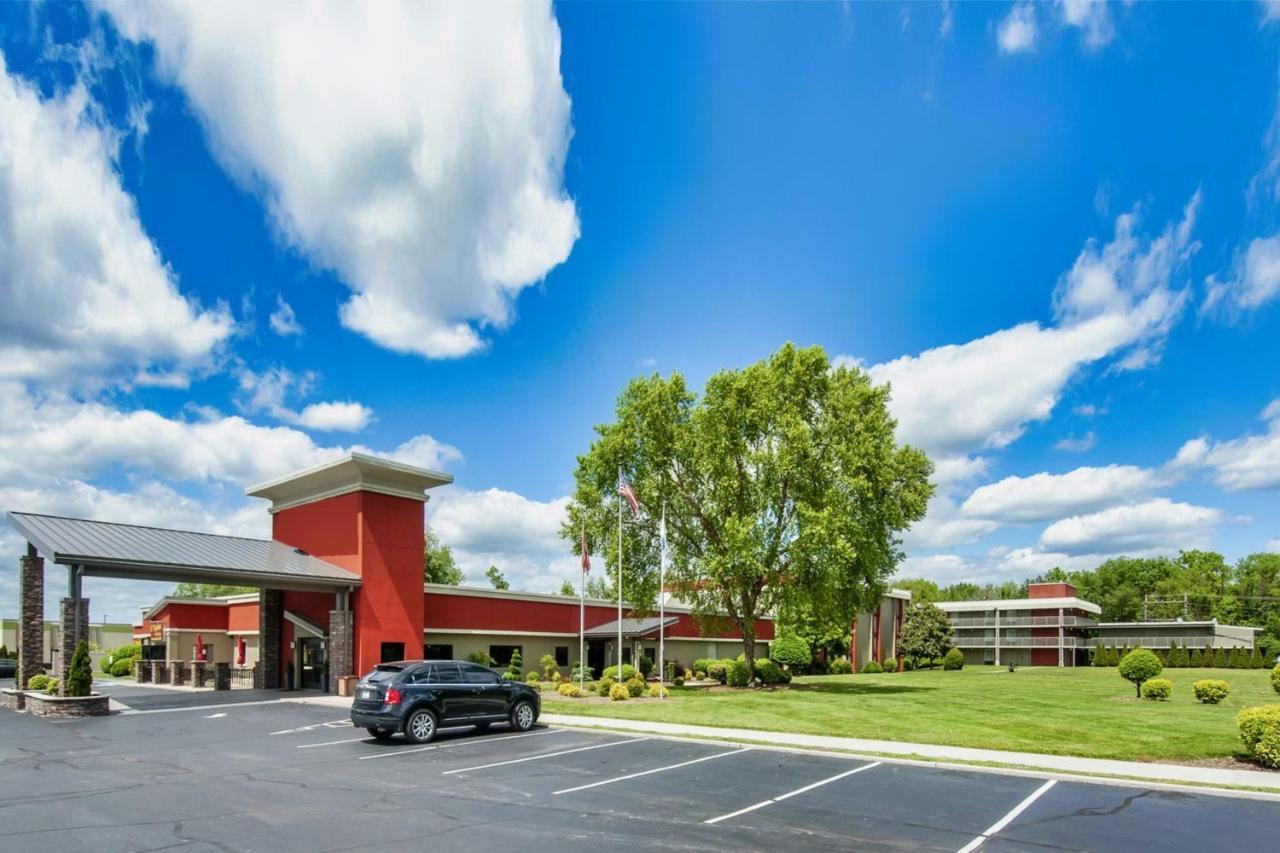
(582,607)
(662,605)
(619,575)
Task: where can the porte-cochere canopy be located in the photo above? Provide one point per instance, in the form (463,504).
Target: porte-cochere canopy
(106,549)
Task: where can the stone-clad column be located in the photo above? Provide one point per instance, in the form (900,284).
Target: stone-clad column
(30,616)
(69,630)
(270,610)
(341,647)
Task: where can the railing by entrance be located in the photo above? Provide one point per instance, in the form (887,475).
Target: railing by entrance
(241,677)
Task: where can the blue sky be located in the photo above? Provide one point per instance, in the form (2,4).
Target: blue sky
(237,242)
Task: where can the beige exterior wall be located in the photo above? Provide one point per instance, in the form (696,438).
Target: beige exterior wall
(105,636)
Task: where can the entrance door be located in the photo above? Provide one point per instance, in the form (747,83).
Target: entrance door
(314,667)
(595,656)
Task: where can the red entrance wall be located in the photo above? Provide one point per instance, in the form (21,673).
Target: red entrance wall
(380,538)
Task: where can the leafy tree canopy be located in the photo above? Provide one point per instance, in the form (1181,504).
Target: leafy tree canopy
(208,590)
(496,578)
(926,632)
(437,562)
(783,482)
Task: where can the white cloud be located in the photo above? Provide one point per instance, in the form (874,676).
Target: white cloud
(1044,496)
(84,293)
(519,535)
(944,527)
(1239,464)
(1270,11)
(422,451)
(283,320)
(1084,443)
(1157,524)
(1118,299)
(1091,17)
(1017,32)
(1273,545)
(416,148)
(268,391)
(947,24)
(1254,281)
(996,566)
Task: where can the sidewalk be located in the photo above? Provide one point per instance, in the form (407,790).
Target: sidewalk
(1174,774)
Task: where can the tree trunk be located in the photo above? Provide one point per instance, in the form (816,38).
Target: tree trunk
(749,646)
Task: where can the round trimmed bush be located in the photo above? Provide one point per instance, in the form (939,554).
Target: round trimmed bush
(688,675)
(908,664)
(1157,689)
(533,677)
(635,686)
(954,660)
(1210,691)
(1275,678)
(1138,666)
(618,693)
(1260,732)
(611,673)
(604,687)
(657,691)
(39,681)
(841,666)
(718,671)
(738,674)
(770,673)
(122,667)
(791,652)
(700,675)
(939,662)
(890,665)
(871,668)
(564,688)
(678,681)
(54,685)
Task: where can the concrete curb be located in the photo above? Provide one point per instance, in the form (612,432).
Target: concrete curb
(1210,779)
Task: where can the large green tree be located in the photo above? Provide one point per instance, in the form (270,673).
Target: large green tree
(926,632)
(782,480)
(437,561)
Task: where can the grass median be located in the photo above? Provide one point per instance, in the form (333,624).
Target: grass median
(1085,711)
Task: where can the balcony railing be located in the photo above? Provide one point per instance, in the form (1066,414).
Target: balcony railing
(989,642)
(1023,621)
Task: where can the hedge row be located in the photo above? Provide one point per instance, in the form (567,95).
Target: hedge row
(1179,656)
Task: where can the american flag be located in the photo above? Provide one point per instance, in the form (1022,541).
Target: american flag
(624,489)
(586,554)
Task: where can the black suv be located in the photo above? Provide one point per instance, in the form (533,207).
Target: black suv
(417,697)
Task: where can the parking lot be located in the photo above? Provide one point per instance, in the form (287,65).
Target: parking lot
(285,776)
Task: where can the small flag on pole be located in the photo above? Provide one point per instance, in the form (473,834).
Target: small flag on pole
(586,554)
(624,489)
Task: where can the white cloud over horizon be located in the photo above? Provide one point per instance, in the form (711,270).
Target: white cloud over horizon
(1047,497)
(1017,32)
(415,148)
(1240,464)
(1155,525)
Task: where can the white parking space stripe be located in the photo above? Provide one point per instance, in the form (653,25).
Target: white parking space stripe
(650,772)
(1007,819)
(789,794)
(548,755)
(469,741)
(332,742)
(331,724)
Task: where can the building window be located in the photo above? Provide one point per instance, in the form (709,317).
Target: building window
(391,652)
(626,655)
(502,654)
(652,653)
(562,655)
(433,651)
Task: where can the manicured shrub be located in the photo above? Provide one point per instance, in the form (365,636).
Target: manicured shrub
(618,693)
(678,681)
(791,652)
(80,672)
(718,671)
(1197,659)
(580,670)
(555,676)
(1138,666)
(1255,659)
(534,677)
(908,664)
(1211,691)
(938,663)
(548,664)
(39,681)
(1157,689)
(954,660)
(1240,658)
(738,674)
(890,665)
(4,652)
(841,666)
(703,664)
(635,686)
(123,667)
(1275,678)
(1260,732)
(657,691)
(871,668)
(54,685)
(481,658)
(1220,658)
(1098,656)
(611,673)
(700,675)
(687,675)
(565,688)
(516,666)
(646,666)
(770,673)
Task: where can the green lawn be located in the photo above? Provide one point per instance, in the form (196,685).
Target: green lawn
(1085,711)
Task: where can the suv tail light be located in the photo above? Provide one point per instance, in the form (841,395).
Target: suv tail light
(392,697)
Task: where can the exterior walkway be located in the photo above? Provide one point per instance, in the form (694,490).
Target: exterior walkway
(1174,774)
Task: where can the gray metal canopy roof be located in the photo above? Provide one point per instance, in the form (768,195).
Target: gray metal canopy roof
(154,553)
(630,627)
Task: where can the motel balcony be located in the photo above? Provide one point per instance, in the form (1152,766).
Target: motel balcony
(989,642)
(1052,621)
(1163,642)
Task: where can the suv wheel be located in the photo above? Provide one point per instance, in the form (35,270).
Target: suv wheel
(420,727)
(380,733)
(522,717)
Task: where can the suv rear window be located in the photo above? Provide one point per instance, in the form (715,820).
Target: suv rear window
(384,673)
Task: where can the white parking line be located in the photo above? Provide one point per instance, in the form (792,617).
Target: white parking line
(459,743)
(203,707)
(332,724)
(1007,819)
(650,772)
(332,742)
(548,755)
(794,793)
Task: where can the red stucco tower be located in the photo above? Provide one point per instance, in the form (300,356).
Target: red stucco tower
(365,515)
